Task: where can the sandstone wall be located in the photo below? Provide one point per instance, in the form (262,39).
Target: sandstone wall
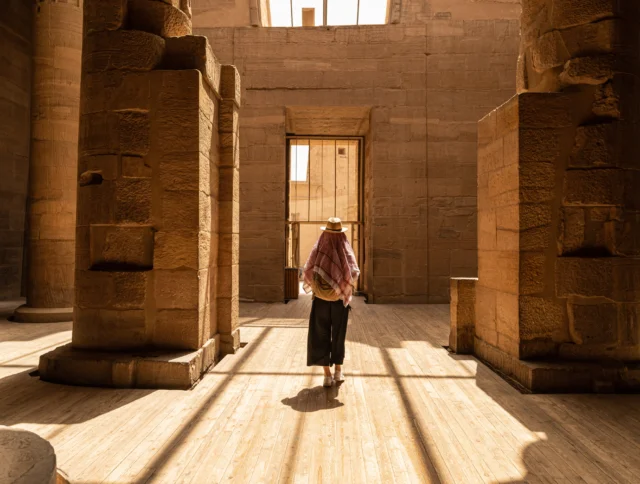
(427,81)
(15,97)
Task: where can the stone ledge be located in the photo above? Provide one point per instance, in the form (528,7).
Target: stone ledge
(150,369)
(26,314)
(561,377)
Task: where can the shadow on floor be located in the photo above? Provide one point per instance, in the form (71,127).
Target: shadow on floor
(34,401)
(307,399)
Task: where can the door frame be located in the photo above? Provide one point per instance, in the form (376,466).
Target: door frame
(361,213)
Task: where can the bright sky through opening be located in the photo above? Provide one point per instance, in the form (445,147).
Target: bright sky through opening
(299,162)
(339,12)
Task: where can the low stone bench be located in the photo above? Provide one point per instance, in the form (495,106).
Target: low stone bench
(26,458)
(463,314)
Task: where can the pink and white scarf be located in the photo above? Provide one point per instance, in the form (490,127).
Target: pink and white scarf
(333,259)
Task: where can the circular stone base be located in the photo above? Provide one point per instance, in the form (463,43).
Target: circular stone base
(26,314)
(26,458)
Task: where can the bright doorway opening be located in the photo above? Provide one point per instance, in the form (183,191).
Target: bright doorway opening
(324,179)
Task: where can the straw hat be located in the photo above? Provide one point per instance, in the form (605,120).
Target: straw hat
(334,225)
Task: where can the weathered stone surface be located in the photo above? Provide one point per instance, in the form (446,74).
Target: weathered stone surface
(104,15)
(594,323)
(594,187)
(122,50)
(171,370)
(463,315)
(193,52)
(25,458)
(158,18)
(116,247)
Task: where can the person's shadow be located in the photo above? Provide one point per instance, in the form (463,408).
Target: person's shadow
(315,399)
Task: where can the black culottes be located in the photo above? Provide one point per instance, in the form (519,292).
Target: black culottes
(327,332)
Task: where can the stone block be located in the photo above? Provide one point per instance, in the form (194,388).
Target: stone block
(112,329)
(539,145)
(614,278)
(228,117)
(229,149)
(227,314)
(229,188)
(105,165)
(540,317)
(158,18)
(176,249)
(549,51)
(96,204)
(229,249)
(180,210)
(463,312)
(532,277)
(182,171)
(104,15)
(569,13)
(178,329)
(228,281)
(170,370)
(193,52)
(230,87)
(545,110)
(135,167)
(592,70)
(132,50)
(594,146)
(117,248)
(572,229)
(629,324)
(229,217)
(133,200)
(134,128)
(594,187)
(593,323)
(230,343)
(176,289)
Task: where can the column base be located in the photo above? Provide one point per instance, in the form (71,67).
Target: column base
(561,376)
(26,314)
(147,369)
(229,343)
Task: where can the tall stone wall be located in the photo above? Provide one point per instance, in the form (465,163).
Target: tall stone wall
(15,99)
(427,80)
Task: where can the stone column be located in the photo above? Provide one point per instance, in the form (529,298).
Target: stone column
(55,100)
(559,202)
(229,212)
(155,195)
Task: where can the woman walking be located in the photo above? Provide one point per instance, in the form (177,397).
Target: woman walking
(330,273)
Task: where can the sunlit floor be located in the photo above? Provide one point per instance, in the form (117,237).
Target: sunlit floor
(408,412)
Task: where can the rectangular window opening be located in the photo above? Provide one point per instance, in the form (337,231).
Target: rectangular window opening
(309,13)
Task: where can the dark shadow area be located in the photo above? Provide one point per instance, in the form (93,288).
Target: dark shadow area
(29,400)
(12,331)
(328,396)
(581,436)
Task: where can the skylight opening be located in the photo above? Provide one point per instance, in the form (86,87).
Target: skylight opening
(289,13)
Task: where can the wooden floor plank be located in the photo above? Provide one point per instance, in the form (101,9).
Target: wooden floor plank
(408,412)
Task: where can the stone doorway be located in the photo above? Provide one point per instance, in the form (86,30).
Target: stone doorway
(324,179)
